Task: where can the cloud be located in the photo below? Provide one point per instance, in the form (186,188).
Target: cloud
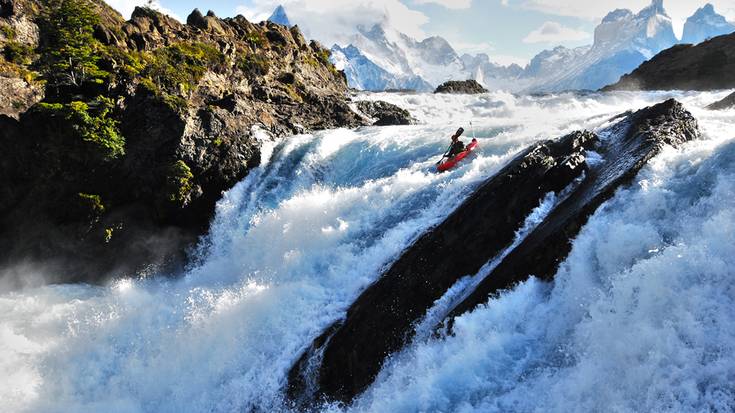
(334,21)
(553,32)
(126,7)
(449,4)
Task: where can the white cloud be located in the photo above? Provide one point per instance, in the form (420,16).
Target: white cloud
(450,4)
(553,32)
(126,7)
(333,21)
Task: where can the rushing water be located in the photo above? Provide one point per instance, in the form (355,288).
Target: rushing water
(641,315)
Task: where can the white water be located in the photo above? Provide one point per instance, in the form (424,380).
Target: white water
(640,318)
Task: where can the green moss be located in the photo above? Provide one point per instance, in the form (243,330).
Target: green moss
(257,40)
(8,32)
(254,64)
(217,142)
(108,234)
(179,182)
(179,68)
(92,124)
(18,53)
(92,202)
(175,102)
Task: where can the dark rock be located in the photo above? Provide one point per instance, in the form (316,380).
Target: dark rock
(707,66)
(386,114)
(726,103)
(382,319)
(7,8)
(469,87)
(196,19)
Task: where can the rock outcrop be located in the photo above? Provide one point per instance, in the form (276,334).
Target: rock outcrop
(121,172)
(726,103)
(384,113)
(468,87)
(707,66)
(347,357)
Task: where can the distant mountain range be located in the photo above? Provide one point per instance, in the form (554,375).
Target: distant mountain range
(380,57)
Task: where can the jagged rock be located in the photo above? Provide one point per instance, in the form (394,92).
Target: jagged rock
(17,95)
(707,66)
(726,103)
(381,321)
(384,113)
(470,87)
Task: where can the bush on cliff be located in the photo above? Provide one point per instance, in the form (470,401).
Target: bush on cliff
(70,52)
(180,67)
(91,124)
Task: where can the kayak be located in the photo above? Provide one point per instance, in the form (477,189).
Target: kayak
(453,161)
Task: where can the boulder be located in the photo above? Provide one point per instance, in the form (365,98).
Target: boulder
(469,87)
(384,113)
(726,103)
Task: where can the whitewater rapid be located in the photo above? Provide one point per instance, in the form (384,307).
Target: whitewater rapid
(641,316)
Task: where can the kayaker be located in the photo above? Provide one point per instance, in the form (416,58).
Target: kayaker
(457,145)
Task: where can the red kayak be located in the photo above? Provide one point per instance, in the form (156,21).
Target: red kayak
(452,162)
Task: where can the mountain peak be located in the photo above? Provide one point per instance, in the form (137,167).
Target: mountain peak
(705,23)
(279,16)
(655,8)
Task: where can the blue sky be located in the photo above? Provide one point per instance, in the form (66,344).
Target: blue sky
(507,30)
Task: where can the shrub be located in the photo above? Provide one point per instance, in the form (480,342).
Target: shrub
(70,52)
(18,53)
(179,182)
(254,64)
(180,67)
(92,124)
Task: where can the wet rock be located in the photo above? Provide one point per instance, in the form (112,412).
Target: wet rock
(469,87)
(726,103)
(384,113)
(382,319)
(637,138)
(709,65)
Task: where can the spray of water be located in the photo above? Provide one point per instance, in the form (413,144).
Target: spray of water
(642,307)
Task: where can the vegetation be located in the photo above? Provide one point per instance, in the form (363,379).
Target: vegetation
(70,51)
(18,53)
(92,203)
(92,124)
(179,182)
(254,64)
(180,67)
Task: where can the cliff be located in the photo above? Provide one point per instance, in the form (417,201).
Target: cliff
(707,66)
(117,137)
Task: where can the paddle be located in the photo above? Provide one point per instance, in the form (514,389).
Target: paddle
(459,133)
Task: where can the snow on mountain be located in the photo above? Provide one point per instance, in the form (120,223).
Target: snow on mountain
(705,23)
(364,74)
(623,41)
(279,16)
(406,63)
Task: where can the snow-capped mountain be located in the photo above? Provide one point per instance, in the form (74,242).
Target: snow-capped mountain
(279,16)
(410,64)
(363,74)
(705,24)
(623,41)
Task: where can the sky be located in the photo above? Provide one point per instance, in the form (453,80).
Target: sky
(509,31)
